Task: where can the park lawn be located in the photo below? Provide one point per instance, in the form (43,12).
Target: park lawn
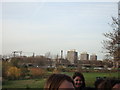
(39,83)
(91,77)
(32,83)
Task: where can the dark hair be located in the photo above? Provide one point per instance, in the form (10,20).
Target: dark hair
(98,81)
(81,76)
(115,81)
(88,88)
(106,84)
(55,80)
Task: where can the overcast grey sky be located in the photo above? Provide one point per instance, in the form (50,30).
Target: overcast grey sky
(42,27)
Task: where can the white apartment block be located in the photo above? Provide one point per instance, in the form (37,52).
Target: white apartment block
(72,56)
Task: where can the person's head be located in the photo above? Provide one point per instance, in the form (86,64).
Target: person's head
(116,84)
(79,80)
(97,82)
(59,81)
(108,84)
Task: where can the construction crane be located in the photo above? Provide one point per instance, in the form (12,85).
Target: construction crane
(14,53)
(20,53)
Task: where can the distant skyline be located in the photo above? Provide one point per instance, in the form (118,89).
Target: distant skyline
(53,26)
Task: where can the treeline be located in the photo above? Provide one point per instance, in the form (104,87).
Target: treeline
(28,68)
(16,68)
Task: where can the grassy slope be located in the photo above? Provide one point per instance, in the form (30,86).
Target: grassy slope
(24,84)
(36,83)
(91,77)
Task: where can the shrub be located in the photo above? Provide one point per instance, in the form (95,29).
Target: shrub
(5,66)
(24,72)
(13,73)
(56,70)
(50,69)
(37,72)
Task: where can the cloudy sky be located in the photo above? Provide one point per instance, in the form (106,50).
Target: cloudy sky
(42,27)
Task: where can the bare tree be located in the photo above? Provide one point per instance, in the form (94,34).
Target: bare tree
(49,58)
(48,55)
(111,44)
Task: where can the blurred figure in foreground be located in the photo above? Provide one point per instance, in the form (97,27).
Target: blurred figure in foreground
(116,84)
(59,82)
(107,84)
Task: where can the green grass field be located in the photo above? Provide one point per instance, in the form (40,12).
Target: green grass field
(39,83)
(91,77)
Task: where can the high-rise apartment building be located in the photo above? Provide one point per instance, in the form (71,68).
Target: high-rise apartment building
(84,56)
(72,56)
(93,57)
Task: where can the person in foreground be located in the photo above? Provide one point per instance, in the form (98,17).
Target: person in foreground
(59,82)
(109,84)
(79,80)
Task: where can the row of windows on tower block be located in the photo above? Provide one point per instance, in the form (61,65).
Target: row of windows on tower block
(72,56)
(85,56)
